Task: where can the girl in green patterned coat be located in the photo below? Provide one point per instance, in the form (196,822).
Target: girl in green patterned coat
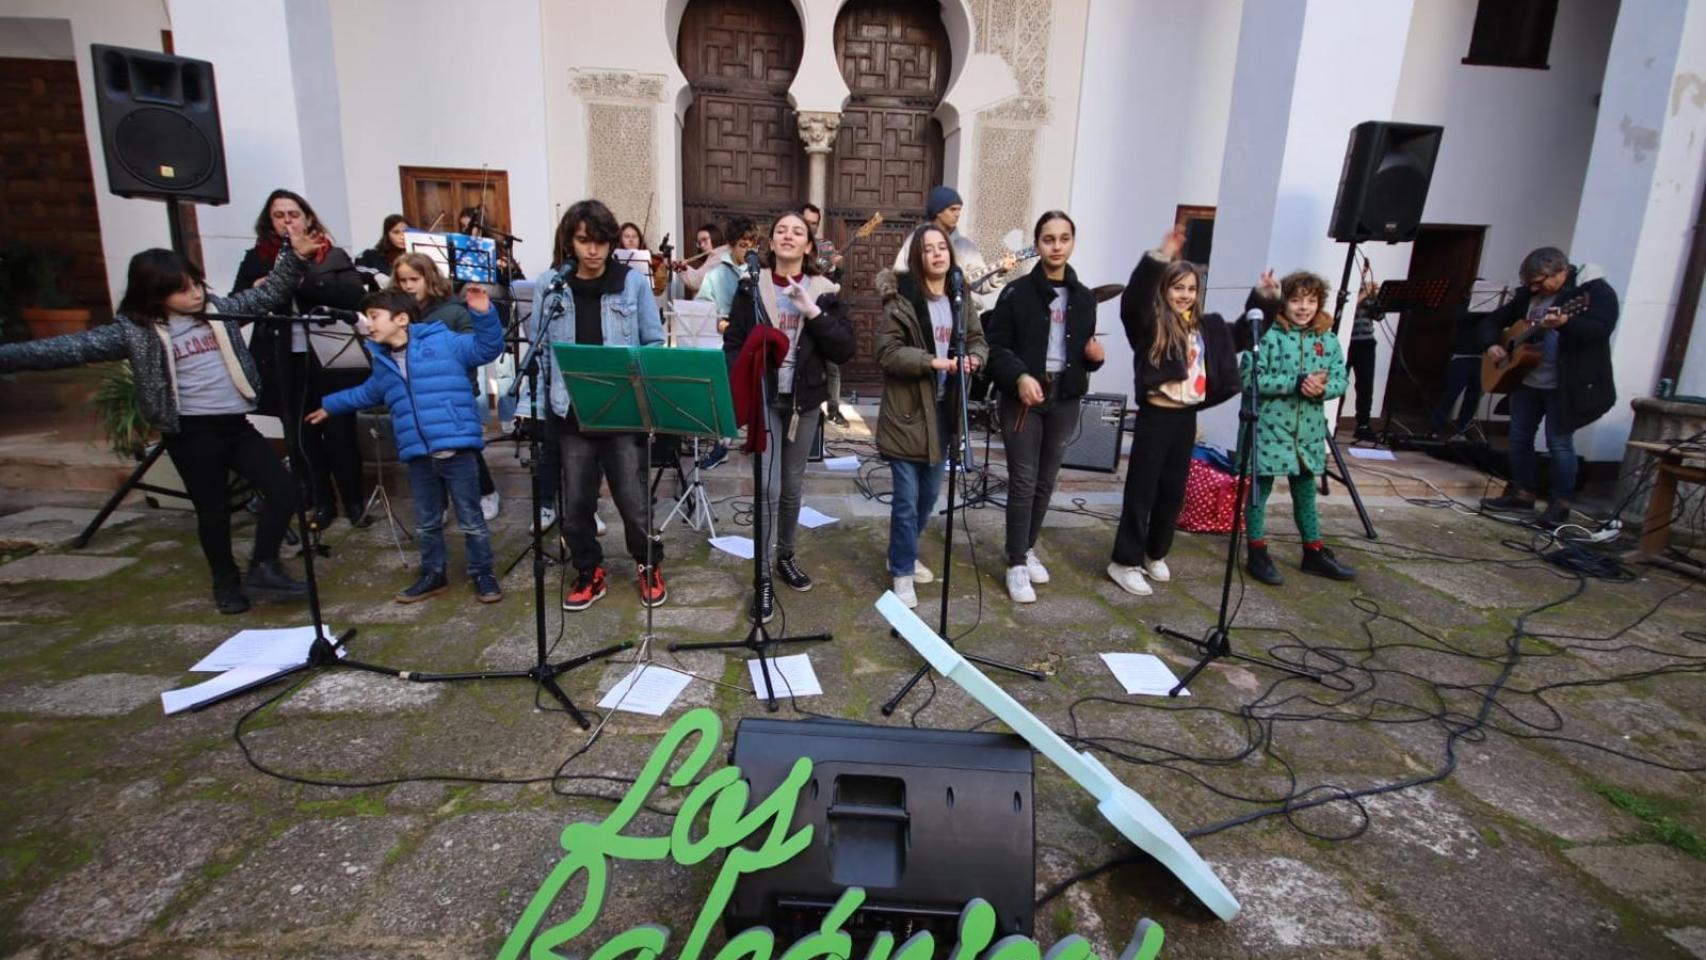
(1302,366)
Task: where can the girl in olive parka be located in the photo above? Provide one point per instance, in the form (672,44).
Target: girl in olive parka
(1301,367)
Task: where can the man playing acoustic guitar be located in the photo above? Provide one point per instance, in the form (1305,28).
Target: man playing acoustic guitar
(1569,383)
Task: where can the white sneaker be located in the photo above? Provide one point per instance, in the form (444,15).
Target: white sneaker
(601,528)
(1130,579)
(903,590)
(1157,570)
(489,505)
(1034,567)
(1019,585)
(921,573)
(547,516)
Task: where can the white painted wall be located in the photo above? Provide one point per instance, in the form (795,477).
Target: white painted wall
(1125,186)
(34,38)
(406,98)
(127,226)
(637,35)
(1642,189)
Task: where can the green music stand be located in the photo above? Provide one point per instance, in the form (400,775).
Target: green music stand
(650,390)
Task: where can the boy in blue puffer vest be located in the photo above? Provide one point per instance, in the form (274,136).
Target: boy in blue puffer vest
(421,373)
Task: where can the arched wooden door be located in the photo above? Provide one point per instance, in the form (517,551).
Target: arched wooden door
(888,154)
(741,149)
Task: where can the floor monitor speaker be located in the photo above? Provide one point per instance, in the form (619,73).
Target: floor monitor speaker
(922,820)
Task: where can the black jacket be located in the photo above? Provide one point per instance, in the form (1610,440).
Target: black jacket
(1018,329)
(333,282)
(1585,374)
(1137,312)
(827,337)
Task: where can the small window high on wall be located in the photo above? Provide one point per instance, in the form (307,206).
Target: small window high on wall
(1512,33)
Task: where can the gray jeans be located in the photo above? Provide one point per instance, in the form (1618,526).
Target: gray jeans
(783,483)
(1035,439)
(833,371)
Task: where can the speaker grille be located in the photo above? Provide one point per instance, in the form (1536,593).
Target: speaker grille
(163,148)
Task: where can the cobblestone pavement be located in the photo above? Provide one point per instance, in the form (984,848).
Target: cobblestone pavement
(1566,822)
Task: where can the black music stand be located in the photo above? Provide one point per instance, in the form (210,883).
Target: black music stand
(1399,296)
(651,390)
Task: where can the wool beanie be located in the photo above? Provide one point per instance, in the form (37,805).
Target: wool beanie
(941,198)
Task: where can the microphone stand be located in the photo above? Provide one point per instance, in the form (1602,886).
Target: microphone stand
(1217,641)
(959,437)
(543,672)
(323,651)
(758,640)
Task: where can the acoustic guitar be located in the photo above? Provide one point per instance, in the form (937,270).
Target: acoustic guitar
(1521,341)
(983,279)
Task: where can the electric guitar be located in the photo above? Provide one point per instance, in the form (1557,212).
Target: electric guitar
(1521,341)
(865,230)
(977,283)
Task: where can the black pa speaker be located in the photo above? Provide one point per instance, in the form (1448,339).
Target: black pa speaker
(922,820)
(1101,416)
(1384,183)
(159,125)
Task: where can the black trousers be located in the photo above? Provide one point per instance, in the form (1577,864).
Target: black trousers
(205,450)
(1161,442)
(1362,377)
(330,449)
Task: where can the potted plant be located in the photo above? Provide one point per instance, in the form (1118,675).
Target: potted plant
(29,289)
(120,413)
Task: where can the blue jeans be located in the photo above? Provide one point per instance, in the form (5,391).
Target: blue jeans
(459,477)
(1528,407)
(915,487)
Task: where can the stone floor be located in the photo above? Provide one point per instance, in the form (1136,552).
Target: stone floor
(1543,788)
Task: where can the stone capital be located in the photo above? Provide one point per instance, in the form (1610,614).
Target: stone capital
(818,129)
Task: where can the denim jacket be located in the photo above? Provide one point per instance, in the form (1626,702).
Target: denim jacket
(628,314)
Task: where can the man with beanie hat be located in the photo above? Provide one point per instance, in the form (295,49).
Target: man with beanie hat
(943,205)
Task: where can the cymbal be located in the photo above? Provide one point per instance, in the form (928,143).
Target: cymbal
(1107,291)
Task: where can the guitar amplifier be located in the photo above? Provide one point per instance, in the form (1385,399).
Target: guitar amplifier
(1101,417)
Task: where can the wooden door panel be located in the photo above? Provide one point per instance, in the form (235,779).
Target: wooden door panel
(888,152)
(433,197)
(741,150)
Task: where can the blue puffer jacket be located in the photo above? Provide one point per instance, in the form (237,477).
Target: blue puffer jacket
(431,408)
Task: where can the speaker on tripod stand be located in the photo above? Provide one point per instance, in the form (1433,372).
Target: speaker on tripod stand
(159,125)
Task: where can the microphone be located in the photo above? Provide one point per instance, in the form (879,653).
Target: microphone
(563,276)
(956,282)
(753,268)
(1247,332)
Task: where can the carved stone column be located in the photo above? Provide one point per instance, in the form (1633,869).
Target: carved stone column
(817,130)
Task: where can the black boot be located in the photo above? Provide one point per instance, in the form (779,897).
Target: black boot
(268,577)
(1261,566)
(1322,563)
(1364,431)
(228,596)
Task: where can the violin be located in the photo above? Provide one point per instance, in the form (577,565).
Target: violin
(660,267)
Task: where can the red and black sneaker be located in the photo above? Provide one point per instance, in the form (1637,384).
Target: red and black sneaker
(652,591)
(587,588)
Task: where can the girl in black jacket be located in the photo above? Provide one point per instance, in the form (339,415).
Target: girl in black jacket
(377,260)
(806,308)
(1042,349)
(298,385)
(1184,361)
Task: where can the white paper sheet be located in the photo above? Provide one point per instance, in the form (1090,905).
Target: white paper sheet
(842,463)
(1371,453)
(734,546)
(812,519)
(1142,673)
(648,689)
(175,701)
(285,647)
(696,324)
(790,676)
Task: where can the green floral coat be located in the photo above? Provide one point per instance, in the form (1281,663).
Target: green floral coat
(1291,430)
